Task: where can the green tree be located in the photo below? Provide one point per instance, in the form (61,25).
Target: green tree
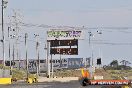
(125,63)
(114,63)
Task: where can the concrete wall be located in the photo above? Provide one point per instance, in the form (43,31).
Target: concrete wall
(70,63)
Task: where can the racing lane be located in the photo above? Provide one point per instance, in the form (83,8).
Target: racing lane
(73,84)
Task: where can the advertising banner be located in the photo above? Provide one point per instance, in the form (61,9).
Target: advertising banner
(64,34)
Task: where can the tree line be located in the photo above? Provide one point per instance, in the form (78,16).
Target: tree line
(116,65)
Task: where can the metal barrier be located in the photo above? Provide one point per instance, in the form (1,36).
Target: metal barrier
(5,80)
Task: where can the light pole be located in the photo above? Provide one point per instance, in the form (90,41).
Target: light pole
(26,35)
(100,54)
(91,46)
(47,59)
(90,34)
(3,38)
(9,49)
(16,30)
(13,54)
(37,54)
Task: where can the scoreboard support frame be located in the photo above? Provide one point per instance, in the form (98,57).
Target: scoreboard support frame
(69,43)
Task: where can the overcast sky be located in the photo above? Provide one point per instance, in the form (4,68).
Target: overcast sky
(115,43)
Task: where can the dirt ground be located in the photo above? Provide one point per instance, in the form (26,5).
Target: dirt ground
(107,74)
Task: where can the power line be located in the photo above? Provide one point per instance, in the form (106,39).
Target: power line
(84,28)
(106,29)
(112,43)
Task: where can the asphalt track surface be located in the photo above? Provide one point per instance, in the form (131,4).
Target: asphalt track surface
(73,84)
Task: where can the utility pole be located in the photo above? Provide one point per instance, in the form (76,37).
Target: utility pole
(16,29)
(91,48)
(47,58)
(26,35)
(3,33)
(3,37)
(52,66)
(9,49)
(90,34)
(37,54)
(19,59)
(9,36)
(13,55)
(99,38)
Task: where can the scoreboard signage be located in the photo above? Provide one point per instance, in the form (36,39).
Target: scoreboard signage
(54,43)
(64,51)
(64,34)
(68,38)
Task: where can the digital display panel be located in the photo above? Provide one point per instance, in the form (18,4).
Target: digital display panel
(54,43)
(64,34)
(64,51)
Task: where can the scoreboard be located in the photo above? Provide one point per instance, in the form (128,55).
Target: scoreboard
(56,47)
(64,51)
(55,43)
